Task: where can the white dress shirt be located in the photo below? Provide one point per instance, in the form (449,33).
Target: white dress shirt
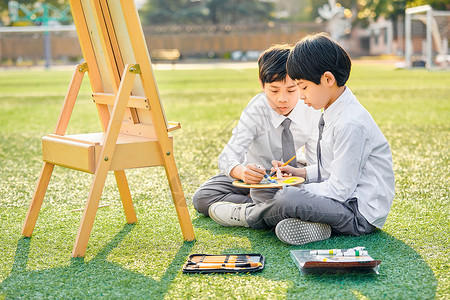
(257,136)
(356,160)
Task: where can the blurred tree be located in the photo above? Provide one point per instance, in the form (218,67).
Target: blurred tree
(205,11)
(364,10)
(173,12)
(246,11)
(435,4)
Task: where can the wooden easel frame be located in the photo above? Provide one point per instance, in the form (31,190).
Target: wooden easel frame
(119,116)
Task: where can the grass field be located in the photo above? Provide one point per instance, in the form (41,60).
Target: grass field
(144,260)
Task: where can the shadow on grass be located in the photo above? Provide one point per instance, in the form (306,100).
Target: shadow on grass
(82,280)
(403,273)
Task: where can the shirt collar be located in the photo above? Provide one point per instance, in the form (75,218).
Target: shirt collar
(295,115)
(333,111)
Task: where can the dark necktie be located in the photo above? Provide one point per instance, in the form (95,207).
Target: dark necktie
(287,143)
(319,154)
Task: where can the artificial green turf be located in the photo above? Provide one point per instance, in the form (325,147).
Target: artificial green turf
(144,260)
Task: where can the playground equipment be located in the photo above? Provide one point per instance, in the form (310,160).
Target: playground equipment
(43,14)
(434,47)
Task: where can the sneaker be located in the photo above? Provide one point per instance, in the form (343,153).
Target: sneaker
(228,214)
(297,232)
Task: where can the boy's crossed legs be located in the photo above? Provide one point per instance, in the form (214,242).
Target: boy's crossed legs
(293,211)
(219,188)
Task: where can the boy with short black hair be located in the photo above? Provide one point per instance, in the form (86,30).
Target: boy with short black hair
(351,188)
(257,138)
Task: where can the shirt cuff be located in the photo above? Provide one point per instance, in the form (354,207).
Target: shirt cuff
(311,173)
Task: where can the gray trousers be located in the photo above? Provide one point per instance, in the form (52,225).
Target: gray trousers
(273,205)
(218,188)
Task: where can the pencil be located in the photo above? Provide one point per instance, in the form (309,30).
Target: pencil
(285,164)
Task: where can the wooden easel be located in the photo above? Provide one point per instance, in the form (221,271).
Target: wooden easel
(135,130)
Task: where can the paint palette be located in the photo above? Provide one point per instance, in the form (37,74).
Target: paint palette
(279,183)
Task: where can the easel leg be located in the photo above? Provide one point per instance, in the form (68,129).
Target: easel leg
(106,154)
(90,210)
(38,197)
(125,196)
(47,168)
(179,199)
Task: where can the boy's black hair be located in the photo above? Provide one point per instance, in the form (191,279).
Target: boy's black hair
(316,54)
(272,63)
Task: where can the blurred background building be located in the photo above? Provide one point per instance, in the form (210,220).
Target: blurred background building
(40,32)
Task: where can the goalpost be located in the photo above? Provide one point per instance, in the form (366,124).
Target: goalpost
(427,34)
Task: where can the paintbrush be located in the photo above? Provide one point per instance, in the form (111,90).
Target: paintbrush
(285,164)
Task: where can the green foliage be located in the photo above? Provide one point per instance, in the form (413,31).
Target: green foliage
(365,10)
(435,4)
(201,12)
(144,260)
(173,12)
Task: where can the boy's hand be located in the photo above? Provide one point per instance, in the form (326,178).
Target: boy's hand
(249,174)
(292,171)
(288,170)
(278,165)
(253,174)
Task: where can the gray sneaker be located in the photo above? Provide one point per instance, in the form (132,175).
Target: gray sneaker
(228,214)
(297,232)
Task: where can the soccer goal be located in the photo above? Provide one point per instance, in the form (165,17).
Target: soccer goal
(427,33)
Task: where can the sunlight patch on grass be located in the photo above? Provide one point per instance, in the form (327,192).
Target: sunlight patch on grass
(144,260)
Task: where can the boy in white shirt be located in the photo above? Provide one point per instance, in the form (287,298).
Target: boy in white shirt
(351,188)
(257,138)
